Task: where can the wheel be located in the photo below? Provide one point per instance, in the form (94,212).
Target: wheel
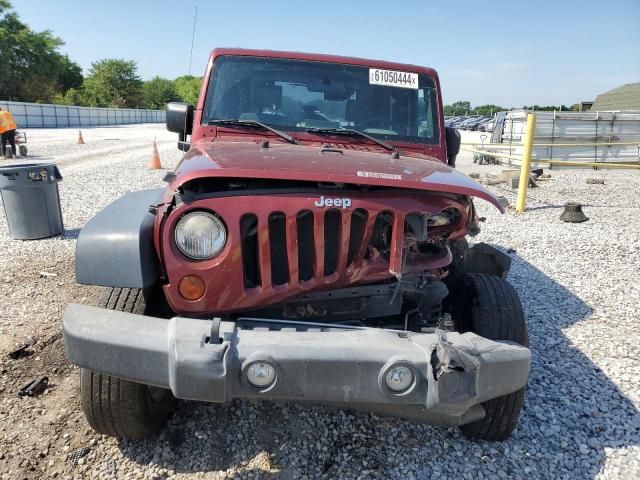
(23,150)
(490,307)
(117,407)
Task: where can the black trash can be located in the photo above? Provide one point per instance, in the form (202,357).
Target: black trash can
(31,200)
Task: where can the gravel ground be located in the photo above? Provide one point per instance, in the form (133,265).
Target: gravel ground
(577,283)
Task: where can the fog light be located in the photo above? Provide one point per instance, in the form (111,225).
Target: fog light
(399,378)
(261,374)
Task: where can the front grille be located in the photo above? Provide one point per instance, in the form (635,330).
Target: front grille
(281,246)
(308,245)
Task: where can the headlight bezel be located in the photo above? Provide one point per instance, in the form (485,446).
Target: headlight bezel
(209,214)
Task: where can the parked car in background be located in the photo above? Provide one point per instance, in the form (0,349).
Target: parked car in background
(483,121)
(486,126)
(452,121)
(474,124)
(466,124)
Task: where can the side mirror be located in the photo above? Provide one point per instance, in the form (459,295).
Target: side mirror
(180,121)
(453,145)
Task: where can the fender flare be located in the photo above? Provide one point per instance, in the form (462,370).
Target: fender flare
(115,248)
(480,258)
(485,258)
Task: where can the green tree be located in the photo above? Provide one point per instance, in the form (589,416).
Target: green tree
(70,97)
(188,88)
(158,92)
(487,110)
(113,82)
(457,108)
(32,68)
(70,74)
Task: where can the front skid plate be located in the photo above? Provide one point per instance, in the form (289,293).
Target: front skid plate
(318,363)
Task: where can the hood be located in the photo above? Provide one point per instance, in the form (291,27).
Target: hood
(247,159)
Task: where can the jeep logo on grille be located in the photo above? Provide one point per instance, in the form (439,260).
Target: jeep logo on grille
(333,202)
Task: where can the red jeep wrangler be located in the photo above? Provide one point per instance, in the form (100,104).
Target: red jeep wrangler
(309,247)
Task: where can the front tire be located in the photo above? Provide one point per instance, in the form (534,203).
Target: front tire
(117,407)
(490,307)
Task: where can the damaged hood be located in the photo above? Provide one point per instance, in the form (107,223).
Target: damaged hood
(247,159)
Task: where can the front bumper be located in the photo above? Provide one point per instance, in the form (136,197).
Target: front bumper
(316,363)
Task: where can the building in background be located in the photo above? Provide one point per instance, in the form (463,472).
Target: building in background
(583,106)
(626,97)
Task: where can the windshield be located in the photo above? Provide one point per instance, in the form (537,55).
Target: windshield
(299,95)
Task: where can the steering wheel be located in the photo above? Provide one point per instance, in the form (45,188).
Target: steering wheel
(372,122)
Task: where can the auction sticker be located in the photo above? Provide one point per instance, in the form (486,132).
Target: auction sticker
(391,78)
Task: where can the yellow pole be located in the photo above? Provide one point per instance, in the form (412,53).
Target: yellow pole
(525,169)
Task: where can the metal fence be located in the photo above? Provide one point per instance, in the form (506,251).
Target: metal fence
(37,115)
(602,137)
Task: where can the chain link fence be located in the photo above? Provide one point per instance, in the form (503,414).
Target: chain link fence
(38,115)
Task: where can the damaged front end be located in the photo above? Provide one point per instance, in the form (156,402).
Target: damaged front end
(436,377)
(288,242)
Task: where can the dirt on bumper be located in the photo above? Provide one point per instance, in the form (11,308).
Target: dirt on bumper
(343,367)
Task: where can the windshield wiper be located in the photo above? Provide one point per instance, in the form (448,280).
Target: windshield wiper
(351,132)
(253,124)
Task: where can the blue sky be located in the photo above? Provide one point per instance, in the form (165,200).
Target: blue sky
(504,52)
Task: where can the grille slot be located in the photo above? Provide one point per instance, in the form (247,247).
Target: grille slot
(278,248)
(250,255)
(356,232)
(306,245)
(332,223)
(381,234)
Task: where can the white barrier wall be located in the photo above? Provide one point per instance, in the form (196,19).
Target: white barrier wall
(37,115)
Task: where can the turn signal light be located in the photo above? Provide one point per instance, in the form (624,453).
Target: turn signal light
(191,287)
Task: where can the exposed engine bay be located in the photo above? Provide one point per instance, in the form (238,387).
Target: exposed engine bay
(414,302)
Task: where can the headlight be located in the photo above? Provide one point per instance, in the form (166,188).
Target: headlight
(200,235)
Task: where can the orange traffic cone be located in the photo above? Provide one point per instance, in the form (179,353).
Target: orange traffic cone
(80,139)
(155,158)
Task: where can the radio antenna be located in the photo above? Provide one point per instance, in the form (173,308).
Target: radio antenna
(193,36)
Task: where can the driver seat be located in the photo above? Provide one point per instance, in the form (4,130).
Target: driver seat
(375,109)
